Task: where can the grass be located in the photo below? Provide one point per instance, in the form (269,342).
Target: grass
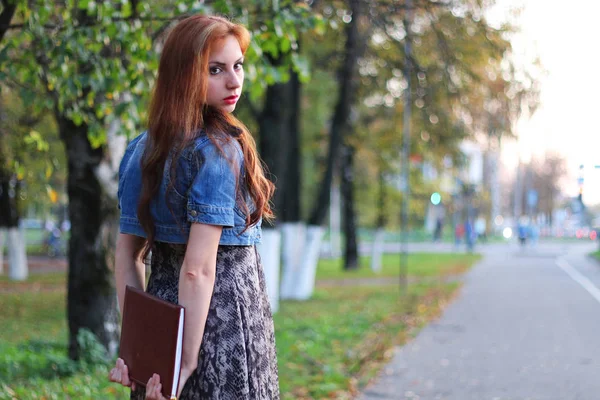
(33,316)
(33,337)
(328,347)
(332,345)
(596,255)
(419,265)
(53,278)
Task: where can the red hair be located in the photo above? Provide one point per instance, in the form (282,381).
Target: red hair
(178,112)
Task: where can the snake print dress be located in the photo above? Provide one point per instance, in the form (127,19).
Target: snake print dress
(237,357)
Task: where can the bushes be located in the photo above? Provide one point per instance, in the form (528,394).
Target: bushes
(39,369)
(35,361)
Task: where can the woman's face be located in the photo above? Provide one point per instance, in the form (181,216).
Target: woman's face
(225,74)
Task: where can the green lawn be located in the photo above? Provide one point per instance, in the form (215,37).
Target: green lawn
(328,347)
(419,265)
(596,255)
(57,279)
(331,345)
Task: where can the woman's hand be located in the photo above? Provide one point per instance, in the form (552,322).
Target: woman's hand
(153,389)
(120,374)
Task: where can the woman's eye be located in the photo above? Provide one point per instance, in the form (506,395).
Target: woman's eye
(239,66)
(214,70)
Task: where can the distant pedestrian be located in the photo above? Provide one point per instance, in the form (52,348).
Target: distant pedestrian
(480,229)
(534,233)
(469,235)
(522,233)
(437,234)
(53,242)
(65,226)
(459,232)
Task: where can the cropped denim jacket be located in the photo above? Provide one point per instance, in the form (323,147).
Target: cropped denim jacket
(203,191)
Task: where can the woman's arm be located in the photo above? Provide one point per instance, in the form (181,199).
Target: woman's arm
(129,269)
(196,283)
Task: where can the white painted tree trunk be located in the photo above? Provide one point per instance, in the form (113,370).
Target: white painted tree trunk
(17,260)
(335,225)
(107,173)
(2,235)
(294,237)
(305,285)
(108,169)
(377,249)
(270,251)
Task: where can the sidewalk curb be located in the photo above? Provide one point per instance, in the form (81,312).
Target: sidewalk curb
(593,258)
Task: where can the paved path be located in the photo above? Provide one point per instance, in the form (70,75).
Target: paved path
(525,326)
(40,264)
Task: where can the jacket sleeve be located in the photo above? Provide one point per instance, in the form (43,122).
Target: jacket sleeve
(212,195)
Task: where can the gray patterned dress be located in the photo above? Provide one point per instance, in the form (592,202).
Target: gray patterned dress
(237,358)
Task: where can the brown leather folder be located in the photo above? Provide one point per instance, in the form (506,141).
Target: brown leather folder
(152,339)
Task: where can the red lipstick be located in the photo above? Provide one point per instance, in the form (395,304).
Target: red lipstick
(231,99)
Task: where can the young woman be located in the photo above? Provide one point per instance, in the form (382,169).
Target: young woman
(192,193)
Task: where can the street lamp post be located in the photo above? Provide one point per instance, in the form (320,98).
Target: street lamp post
(406,151)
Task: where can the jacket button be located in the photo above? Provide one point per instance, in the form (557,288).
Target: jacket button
(193,213)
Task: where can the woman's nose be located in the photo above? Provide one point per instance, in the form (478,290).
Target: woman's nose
(234,81)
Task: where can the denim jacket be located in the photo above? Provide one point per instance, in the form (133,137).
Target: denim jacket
(204,191)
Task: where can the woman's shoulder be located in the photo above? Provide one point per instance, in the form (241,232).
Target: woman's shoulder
(139,139)
(130,150)
(217,146)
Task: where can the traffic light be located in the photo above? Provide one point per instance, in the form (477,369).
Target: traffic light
(436,198)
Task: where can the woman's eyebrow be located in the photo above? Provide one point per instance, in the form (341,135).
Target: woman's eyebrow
(220,64)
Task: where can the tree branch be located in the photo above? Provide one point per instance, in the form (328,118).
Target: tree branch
(134,12)
(54,27)
(6,16)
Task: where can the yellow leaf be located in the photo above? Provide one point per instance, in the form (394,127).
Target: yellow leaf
(53,195)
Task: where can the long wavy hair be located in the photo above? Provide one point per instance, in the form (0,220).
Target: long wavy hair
(178,113)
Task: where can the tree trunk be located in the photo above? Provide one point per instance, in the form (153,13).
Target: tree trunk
(91,298)
(2,239)
(290,209)
(348,81)
(273,124)
(9,185)
(379,238)
(278,126)
(293,251)
(9,223)
(335,218)
(270,259)
(9,214)
(347,189)
(551,210)
(8,11)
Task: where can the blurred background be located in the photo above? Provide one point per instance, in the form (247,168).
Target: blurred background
(408,140)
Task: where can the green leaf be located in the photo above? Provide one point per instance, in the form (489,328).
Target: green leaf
(286,44)
(77,118)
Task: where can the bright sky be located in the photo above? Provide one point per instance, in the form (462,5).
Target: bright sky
(566,38)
